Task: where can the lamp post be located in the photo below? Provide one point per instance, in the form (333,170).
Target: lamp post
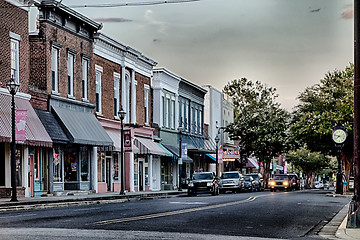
(122,114)
(180,160)
(217,139)
(13,87)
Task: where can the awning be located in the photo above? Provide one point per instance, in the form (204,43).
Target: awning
(174,150)
(252,163)
(36,134)
(115,136)
(82,127)
(168,153)
(212,156)
(52,127)
(148,146)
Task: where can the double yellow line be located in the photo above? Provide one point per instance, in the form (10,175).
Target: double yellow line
(164,214)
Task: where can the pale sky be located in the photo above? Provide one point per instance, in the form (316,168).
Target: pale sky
(286,44)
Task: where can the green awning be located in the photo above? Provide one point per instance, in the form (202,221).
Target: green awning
(82,127)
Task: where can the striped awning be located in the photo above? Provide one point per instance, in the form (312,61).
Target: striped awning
(36,135)
(149,147)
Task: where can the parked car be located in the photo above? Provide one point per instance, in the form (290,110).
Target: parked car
(294,181)
(249,183)
(280,181)
(232,181)
(319,184)
(259,181)
(203,182)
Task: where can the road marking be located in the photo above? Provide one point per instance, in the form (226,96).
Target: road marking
(176,212)
(21,215)
(189,203)
(85,209)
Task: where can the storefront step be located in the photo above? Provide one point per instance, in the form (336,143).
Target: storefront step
(76,193)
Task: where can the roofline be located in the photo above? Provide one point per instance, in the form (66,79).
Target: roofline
(194,85)
(70,11)
(167,72)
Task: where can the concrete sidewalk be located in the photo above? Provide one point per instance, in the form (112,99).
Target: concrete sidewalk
(74,198)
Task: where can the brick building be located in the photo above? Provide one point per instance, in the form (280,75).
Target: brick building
(64,94)
(123,78)
(33,147)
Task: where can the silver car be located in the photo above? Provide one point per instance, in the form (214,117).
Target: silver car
(231,181)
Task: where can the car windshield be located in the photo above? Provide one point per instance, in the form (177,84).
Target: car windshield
(202,176)
(280,177)
(230,175)
(255,176)
(247,178)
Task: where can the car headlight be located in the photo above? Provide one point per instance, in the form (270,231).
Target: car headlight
(272,183)
(209,184)
(286,183)
(191,184)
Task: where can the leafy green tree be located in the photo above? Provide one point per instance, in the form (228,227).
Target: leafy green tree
(321,108)
(309,162)
(260,123)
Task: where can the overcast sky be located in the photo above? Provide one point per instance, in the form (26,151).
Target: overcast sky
(287,44)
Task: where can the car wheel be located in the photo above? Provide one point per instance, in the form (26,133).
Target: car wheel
(213,192)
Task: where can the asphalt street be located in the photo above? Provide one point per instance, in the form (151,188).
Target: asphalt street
(279,215)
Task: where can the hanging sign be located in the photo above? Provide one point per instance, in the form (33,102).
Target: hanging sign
(20,125)
(127,141)
(184,150)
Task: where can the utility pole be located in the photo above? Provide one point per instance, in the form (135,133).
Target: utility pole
(354,216)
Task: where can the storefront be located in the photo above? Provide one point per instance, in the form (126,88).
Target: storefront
(32,149)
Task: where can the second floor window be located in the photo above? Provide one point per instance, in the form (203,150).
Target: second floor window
(54,69)
(146,104)
(14,45)
(98,74)
(116,93)
(70,66)
(85,66)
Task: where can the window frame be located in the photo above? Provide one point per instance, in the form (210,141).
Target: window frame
(14,56)
(146,103)
(116,94)
(98,90)
(55,54)
(71,58)
(84,78)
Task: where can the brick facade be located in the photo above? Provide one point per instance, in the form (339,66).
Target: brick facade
(14,19)
(107,84)
(41,72)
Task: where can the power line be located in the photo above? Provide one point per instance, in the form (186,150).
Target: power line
(131,4)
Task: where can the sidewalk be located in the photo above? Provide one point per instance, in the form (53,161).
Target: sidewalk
(336,228)
(81,198)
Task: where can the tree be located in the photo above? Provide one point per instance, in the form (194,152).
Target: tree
(308,161)
(321,107)
(260,123)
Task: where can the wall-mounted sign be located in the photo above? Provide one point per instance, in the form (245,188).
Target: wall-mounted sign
(184,150)
(230,154)
(127,141)
(20,123)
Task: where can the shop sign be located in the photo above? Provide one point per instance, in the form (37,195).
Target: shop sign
(230,154)
(184,150)
(127,141)
(20,123)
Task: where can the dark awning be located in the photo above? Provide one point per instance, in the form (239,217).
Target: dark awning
(174,150)
(52,126)
(82,127)
(36,134)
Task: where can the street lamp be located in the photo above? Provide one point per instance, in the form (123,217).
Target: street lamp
(122,114)
(13,87)
(180,160)
(217,139)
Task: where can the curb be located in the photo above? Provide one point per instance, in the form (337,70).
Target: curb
(52,203)
(330,230)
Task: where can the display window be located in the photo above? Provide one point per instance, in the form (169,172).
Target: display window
(71,166)
(57,165)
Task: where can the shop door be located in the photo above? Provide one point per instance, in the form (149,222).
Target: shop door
(31,174)
(141,176)
(108,172)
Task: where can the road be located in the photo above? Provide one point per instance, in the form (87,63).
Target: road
(279,215)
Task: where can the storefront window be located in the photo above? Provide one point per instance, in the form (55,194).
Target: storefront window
(136,172)
(18,165)
(84,164)
(57,166)
(116,168)
(71,166)
(37,165)
(101,166)
(146,172)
